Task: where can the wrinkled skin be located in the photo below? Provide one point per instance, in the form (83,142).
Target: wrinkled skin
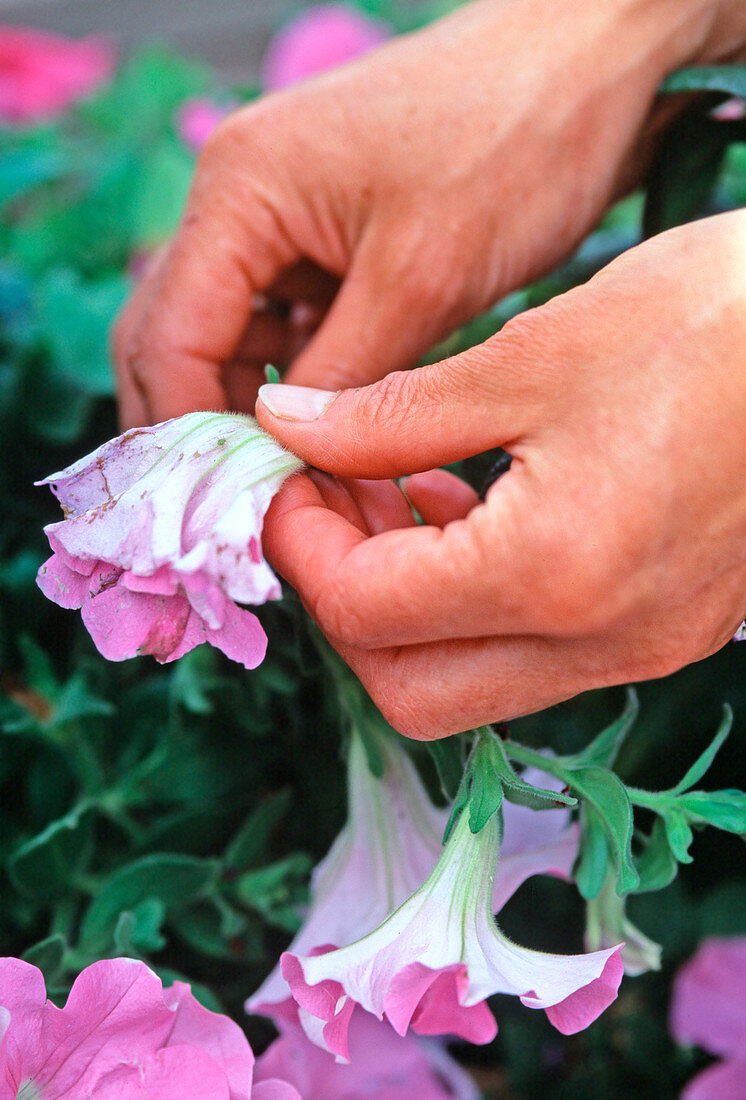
(424,192)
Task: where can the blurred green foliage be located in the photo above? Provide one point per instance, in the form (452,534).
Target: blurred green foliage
(173,814)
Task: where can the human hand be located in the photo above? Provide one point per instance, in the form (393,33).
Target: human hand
(613,550)
(431,178)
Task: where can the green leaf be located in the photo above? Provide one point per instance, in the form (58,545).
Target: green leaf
(139,930)
(657,865)
(277,891)
(702,765)
(44,867)
(76,701)
(38,667)
(485,798)
(723,809)
(593,865)
(460,803)
(604,747)
(204,928)
(608,796)
(271,374)
(49,956)
(728,79)
(74,319)
(679,833)
(515,787)
(250,842)
(684,172)
(163,180)
(448,756)
(176,880)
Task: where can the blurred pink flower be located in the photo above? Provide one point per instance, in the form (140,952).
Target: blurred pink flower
(41,74)
(391,842)
(162,537)
(120,1036)
(197,119)
(433,962)
(383,1064)
(708,1009)
(318,39)
(731,110)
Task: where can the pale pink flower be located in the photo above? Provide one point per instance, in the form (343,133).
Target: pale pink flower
(390,844)
(433,962)
(383,1065)
(41,74)
(708,1008)
(162,537)
(197,119)
(320,38)
(120,1036)
(730,110)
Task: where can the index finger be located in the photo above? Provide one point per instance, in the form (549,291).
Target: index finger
(228,247)
(405,586)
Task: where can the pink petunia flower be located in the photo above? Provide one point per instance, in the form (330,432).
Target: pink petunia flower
(42,74)
(383,1064)
(197,119)
(391,842)
(433,962)
(120,1036)
(708,1009)
(320,38)
(731,110)
(162,537)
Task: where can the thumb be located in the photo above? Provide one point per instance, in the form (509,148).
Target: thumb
(411,421)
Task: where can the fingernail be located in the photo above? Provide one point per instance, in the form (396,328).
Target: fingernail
(295,402)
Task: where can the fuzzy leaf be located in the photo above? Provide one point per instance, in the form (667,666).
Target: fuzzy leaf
(657,865)
(702,765)
(174,880)
(594,854)
(604,747)
(43,867)
(608,796)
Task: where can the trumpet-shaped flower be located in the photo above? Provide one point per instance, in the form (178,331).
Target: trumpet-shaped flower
(383,1064)
(433,962)
(41,74)
(391,842)
(120,1036)
(320,38)
(707,1008)
(162,537)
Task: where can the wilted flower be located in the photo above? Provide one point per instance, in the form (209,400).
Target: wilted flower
(389,845)
(607,923)
(41,74)
(383,1066)
(162,537)
(708,1008)
(120,1035)
(320,38)
(197,119)
(433,962)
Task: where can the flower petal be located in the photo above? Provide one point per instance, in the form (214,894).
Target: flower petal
(586,1004)
(126,624)
(707,1002)
(723,1081)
